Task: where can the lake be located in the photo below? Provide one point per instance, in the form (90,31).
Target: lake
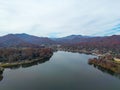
(64,71)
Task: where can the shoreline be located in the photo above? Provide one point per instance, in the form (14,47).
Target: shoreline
(106,64)
(5,65)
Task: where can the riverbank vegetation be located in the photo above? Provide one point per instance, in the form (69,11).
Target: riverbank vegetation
(20,56)
(106,62)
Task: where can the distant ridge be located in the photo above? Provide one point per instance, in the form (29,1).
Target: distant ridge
(12,40)
(23,39)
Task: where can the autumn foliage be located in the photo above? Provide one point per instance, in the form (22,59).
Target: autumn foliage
(20,54)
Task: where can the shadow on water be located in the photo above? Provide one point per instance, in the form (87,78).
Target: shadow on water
(35,63)
(25,65)
(104,70)
(1,76)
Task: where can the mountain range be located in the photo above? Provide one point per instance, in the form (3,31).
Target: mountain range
(24,40)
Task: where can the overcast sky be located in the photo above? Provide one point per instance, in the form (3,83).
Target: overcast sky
(57,18)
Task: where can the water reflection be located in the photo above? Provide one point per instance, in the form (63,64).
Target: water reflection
(64,71)
(104,70)
(24,66)
(1,76)
(35,63)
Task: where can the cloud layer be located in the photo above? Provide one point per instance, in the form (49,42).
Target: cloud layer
(56,18)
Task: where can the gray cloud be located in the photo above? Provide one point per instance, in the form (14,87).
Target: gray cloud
(59,17)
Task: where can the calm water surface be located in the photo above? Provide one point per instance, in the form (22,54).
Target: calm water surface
(64,71)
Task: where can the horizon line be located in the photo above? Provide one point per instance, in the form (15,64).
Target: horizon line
(60,36)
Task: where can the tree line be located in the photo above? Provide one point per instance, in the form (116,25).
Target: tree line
(20,54)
